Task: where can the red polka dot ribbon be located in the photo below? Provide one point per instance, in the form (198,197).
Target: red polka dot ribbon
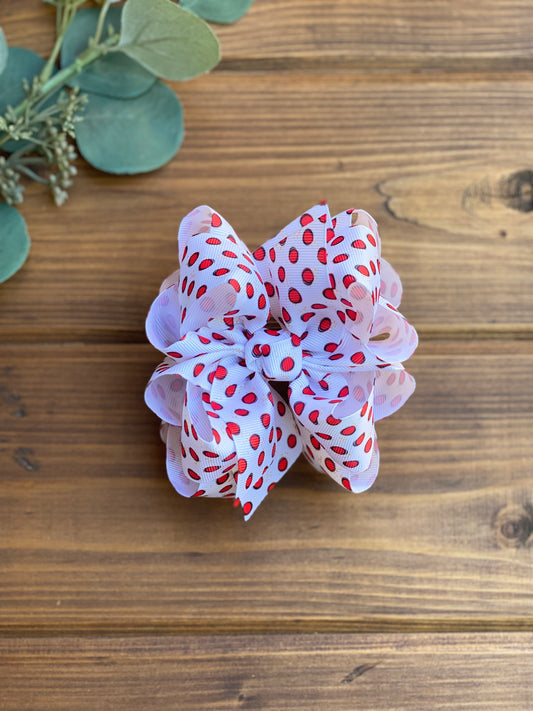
(329,287)
(340,346)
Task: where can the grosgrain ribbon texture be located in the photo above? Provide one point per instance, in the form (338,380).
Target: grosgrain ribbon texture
(339,342)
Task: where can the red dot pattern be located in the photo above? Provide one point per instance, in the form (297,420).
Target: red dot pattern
(331,298)
(228,433)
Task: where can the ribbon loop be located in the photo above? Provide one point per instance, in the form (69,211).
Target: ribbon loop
(323,276)
(229,433)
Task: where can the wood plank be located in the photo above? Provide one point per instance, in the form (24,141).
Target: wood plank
(444,166)
(368,35)
(95,539)
(375,672)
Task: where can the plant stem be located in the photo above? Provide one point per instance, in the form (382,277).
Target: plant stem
(32,160)
(31,174)
(17,155)
(49,66)
(65,15)
(62,77)
(52,83)
(101,20)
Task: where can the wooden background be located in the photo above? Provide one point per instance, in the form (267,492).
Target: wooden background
(115,593)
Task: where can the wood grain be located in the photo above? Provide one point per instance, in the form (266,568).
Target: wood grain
(374,672)
(95,539)
(367,35)
(117,593)
(444,166)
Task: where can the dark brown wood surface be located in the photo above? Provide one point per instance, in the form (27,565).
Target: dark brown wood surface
(117,593)
(361,35)
(95,537)
(367,672)
(438,162)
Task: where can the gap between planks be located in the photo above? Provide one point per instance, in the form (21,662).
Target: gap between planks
(413,69)
(237,627)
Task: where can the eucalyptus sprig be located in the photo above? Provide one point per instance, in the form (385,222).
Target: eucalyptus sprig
(99,88)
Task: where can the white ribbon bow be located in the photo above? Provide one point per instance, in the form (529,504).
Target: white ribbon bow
(330,288)
(228,433)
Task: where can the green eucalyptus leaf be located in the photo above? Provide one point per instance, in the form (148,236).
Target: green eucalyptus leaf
(223,11)
(3,51)
(21,64)
(114,74)
(168,40)
(131,135)
(14,241)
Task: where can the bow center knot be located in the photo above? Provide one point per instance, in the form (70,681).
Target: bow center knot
(277,355)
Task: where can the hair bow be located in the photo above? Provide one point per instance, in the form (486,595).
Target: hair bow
(341,345)
(330,288)
(228,433)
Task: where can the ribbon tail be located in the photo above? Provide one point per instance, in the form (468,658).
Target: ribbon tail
(266,440)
